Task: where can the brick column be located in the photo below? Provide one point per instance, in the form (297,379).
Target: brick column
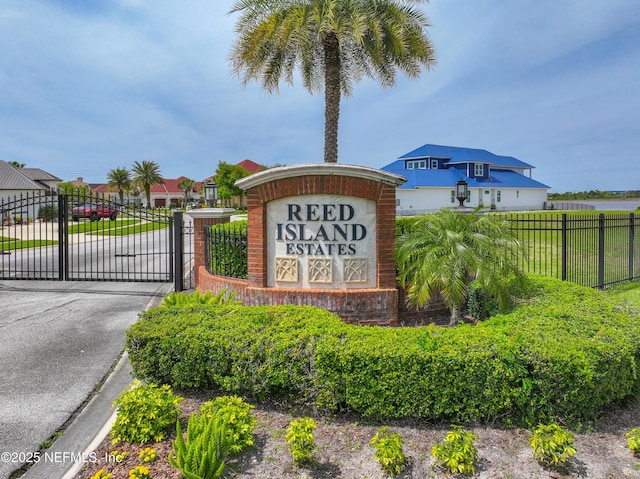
(203,218)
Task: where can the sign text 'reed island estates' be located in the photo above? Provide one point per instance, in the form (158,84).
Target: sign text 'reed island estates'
(321,241)
(320,230)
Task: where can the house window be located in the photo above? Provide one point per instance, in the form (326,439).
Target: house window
(498,196)
(434,164)
(417,164)
(478,169)
(468,196)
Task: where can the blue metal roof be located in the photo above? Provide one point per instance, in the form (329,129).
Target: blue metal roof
(464,155)
(421,178)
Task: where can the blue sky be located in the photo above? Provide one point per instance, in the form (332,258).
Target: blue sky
(91,85)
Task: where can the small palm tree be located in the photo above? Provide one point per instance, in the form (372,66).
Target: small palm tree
(146,174)
(446,251)
(333,44)
(187,185)
(119,179)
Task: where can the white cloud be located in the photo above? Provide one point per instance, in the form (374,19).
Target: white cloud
(106,84)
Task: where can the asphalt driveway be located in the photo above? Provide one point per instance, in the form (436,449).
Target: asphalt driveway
(57,341)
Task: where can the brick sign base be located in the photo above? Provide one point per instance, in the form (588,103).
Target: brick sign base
(320,237)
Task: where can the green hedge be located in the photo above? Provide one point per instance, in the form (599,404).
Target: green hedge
(228,255)
(560,355)
(257,351)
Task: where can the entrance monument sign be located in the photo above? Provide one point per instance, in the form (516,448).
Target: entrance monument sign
(320,234)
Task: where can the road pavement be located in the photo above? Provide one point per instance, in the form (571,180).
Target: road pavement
(57,342)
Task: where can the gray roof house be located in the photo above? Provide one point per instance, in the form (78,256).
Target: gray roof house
(19,187)
(15,181)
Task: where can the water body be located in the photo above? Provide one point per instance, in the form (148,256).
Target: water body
(626,205)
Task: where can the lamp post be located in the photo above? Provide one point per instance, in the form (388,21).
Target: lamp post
(462,189)
(211,193)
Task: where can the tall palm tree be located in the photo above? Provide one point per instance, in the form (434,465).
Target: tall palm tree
(119,179)
(146,174)
(187,185)
(333,43)
(446,251)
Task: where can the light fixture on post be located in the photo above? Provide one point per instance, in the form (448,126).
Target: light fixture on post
(211,193)
(462,189)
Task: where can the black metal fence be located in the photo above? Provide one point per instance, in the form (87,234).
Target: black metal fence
(590,249)
(226,249)
(84,236)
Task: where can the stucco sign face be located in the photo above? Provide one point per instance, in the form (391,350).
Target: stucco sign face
(321,241)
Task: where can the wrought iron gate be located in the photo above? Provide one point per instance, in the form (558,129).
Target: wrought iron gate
(78,237)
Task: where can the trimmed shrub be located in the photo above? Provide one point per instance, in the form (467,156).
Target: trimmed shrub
(560,355)
(253,351)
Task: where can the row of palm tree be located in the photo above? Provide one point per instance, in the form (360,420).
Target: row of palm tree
(143,176)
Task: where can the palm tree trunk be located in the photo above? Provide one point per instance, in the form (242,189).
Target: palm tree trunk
(456,316)
(331,97)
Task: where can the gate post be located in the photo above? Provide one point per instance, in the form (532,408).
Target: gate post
(204,218)
(564,247)
(631,244)
(178,259)
(63,265)
(601,237)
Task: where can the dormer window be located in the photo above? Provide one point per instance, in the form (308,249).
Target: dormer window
(417,165)
(478,170)
(434,164)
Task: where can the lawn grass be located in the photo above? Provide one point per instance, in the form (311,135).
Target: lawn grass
(132,229)
(8,244)
(542,233)
(628,292)
(98,226)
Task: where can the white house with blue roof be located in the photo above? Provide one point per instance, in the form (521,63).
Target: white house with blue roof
(494,181)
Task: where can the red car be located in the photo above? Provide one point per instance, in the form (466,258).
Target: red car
(93,211)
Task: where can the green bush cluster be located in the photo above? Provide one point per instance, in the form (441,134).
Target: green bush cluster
(552,445)
(633,440)
(222,428)
(236,414)
(144,413)
(560,355)
(389,451)
(181,298)
(457,452)
(301,440)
